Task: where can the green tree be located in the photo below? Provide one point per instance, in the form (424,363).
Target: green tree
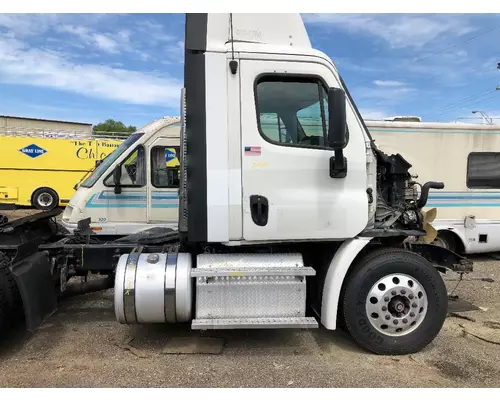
(110,125)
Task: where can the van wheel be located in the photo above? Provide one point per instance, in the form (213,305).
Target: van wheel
(447,240)
(45,199)
(395,302)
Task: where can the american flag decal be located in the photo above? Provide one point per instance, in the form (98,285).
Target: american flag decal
(252,150)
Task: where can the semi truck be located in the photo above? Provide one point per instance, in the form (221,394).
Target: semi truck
(294,230)
(41,172)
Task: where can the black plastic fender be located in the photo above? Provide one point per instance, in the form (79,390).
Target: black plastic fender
(38,290)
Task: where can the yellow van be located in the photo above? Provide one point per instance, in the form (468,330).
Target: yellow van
(42,172)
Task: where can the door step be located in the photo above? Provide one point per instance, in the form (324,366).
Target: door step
(255,323)
(207,272)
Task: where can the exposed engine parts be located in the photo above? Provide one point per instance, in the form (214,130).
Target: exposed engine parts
(398,199)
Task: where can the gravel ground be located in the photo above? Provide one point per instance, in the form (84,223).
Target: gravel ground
(83,346)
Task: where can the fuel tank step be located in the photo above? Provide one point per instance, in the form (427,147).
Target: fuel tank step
(254,323)
(208,272)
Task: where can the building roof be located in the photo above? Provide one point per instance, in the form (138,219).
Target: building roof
(46,120)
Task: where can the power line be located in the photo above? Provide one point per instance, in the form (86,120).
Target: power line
(418,59)
(466,99)
(471,97)
(478,102)
(464,41)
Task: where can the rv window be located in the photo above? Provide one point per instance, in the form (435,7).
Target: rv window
(483,170)
(133,170)
(292,110)
(165,167)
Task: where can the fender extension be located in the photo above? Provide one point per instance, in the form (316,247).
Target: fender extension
(442,258)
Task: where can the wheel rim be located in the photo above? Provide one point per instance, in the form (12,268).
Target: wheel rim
(45,199)
(440,242)
(396,305)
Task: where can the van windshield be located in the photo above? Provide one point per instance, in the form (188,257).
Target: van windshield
(110,159)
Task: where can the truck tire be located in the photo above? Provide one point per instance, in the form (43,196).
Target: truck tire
(10,298)
(394,302)
(45,199)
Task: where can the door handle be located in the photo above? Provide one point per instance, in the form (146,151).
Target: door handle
(259,207)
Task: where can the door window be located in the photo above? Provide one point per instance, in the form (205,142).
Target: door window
(133,170)
(165,167)
(292,110)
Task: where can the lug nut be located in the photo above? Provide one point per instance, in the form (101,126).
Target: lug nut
(410,297)
(395,322)
(387,317)
(412,314)
(386,298)
(403,291)
(394,293)
(384,308)
(405,321)
(414,305)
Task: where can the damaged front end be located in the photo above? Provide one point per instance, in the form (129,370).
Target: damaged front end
(399,216)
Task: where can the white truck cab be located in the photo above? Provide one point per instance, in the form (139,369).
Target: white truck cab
(146,193)
(289,215)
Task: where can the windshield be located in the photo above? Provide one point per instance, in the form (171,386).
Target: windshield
(110,159)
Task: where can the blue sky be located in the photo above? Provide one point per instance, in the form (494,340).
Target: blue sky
(130,67)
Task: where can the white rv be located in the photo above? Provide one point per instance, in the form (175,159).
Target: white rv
(461,156)
(149,182)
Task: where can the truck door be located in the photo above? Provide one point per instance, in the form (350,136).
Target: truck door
(286,186)
(163,192)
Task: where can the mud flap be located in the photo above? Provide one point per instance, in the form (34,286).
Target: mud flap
(37,288)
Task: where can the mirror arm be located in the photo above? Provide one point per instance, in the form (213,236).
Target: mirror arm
(338,165)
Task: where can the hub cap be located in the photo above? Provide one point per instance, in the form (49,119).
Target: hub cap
(45,199)
(396,305)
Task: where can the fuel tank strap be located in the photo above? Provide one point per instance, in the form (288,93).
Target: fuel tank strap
(129,288)
(170,278)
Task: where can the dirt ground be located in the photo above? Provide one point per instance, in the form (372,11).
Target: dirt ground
(82,345)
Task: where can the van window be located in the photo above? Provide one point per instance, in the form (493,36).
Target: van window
(165,166)
(483,170)
(292,110)
(110,159)
(133,170)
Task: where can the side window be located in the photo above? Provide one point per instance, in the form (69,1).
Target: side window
(273,127)
(483,170)
(165,167)
(133,170)
(292,111)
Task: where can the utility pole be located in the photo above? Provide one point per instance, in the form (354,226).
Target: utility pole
(486,118)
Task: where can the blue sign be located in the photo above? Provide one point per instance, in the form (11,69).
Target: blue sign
(170,155)
(33,150)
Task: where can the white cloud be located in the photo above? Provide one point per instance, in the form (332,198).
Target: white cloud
(21,64)
(388,83)
(105,43)
(386,95)
(399,30)
(92,32)
(156,32)
(371,114)
(91,38)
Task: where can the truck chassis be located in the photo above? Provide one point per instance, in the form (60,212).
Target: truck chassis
(37,261)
